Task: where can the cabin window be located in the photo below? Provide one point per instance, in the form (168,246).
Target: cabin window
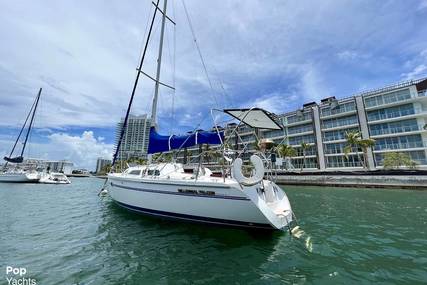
(135,172)
(154,172)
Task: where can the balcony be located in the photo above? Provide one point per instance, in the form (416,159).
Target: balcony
(405,145)
(343,164)
(391,103)
(403,129)
(343,122)
(340,127)
(298,144)
(380,162)
(339,150)
(341,109)
(273,134)
(390,115)
(337,134)
(299,130)
(300,134)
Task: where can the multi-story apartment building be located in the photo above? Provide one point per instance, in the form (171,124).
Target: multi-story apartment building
(395,116)
(101,163)
(135,139)
(63,166)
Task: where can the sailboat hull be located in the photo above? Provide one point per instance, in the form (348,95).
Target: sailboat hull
(19,177)
(196,202)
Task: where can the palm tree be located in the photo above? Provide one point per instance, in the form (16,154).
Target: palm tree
(286,151)
(354,141)
(304,147)
(364,145)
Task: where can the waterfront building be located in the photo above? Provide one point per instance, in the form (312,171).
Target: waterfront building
(101,163)
(63,166)
(395,116)
(135,139)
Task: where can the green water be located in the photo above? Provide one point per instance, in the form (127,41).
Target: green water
(65,234)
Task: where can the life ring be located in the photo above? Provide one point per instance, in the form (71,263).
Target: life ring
(248,181)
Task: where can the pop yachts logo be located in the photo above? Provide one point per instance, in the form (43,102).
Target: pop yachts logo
(16,276)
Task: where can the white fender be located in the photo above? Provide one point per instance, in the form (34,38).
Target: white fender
(249,181)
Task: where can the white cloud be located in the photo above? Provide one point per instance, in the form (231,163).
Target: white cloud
(422,5)
(416,72)
(84,53)
(83,150)
(275,102)
(419,67)
(313,86)
(347,55)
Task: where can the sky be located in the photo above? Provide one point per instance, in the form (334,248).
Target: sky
(276,55)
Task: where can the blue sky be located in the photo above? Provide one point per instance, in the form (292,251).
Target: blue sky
(273,54)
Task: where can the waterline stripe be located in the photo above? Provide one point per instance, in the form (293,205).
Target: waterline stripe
(181,193)
(192,218)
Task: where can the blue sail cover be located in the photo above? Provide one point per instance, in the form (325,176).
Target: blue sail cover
(159,143)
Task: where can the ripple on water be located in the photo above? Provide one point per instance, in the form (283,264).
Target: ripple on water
(68,235)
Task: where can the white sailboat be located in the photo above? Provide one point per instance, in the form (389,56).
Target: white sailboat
(168,190)
(14,170)
(18,176)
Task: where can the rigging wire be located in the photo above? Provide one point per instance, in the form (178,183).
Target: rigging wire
(200,53)
(173,67)
(171,55)
(172,58)
(122,132)
(23,127)
(228,98)
(141,46)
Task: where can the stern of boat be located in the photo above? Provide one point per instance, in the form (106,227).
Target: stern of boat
(274,204)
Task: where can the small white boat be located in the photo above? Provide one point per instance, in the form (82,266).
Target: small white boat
(19,176)
(54,178)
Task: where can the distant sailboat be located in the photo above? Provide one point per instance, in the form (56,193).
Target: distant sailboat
(14,172)
(167,190)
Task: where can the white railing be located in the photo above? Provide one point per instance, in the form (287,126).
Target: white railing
(390,115)
(403,129)
(399,145)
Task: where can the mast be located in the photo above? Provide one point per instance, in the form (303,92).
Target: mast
(159,63)
(125,121)
(31,121)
